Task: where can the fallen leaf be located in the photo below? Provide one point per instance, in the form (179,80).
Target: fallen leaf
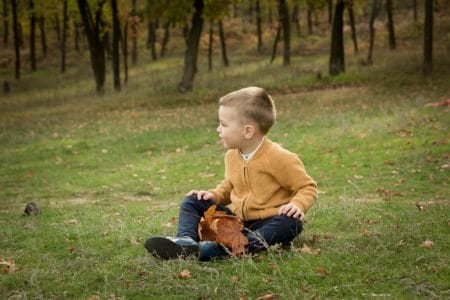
(428,244)
(71,222)
(229,233)
(134,241)
(234,280)
(185,274)
(306,249)
(9,266)
(270,296)
(419,206)
(222,228)
(322,271)
(401,243)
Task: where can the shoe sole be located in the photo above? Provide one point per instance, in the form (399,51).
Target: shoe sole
(166,249)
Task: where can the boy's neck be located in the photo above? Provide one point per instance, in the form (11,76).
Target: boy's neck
(252,145)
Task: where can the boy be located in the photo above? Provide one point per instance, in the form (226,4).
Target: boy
(265,185)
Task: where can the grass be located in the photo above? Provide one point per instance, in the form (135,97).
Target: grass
(110,172)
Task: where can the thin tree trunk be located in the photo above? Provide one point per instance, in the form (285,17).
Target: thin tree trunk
(77,36)
(151,41)
(125,51)
(373,16)
(166,38)
(258,25)
(284,21)
(64,38)
(134,33)
(330,11)
(93,29)
(275,44)
(296,18)
(428,39)
(223,44)
(32,35)
(390,24)
(16,38)
(351,17)
(415,10)
(115,45)
(210,45)
(337,56)
(190,58)
(310,21)
(57,29)
(43,35)
(5,23)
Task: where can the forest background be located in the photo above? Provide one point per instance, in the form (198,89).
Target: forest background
(108,115)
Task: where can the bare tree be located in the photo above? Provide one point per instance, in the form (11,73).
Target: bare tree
(337,56)
(428,39)
(32,35)
(373,16)
(351,17)
(285,23)
(193,40)
(17,38)
(390,24)
(115,45)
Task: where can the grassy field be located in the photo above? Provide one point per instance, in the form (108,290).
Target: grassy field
(109,172)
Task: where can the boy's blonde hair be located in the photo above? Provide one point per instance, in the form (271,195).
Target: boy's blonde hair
(252,103)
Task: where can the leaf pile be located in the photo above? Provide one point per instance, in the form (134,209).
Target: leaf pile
(219,227)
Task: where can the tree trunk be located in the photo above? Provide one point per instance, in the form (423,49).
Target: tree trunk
(428,39)
(275,44)
(32,35)
(16,37)
(64,38)
(310,21)
(165,40)
(5,23)
(115,45)
(134,33)
(284,21)
(337,56)
(258,25)
(351,17)
(223,44)
(94,30)
(210,45)
(330,11)
(57,29)
(43,35)
(151,40)
(373,16)
(190,58)
(77,36)
(296,18)
(390,24)
(125,51)
(415,10)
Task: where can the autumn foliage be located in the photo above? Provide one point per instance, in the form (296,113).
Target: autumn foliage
(219,227)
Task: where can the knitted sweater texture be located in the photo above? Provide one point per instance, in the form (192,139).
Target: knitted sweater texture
(255,189)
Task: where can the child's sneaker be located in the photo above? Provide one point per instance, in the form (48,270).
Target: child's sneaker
(171,247)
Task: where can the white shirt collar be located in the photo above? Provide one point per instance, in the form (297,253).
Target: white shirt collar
(248,156)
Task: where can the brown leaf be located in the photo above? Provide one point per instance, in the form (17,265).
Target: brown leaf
(185,274)
(428,244)
(306,249)
(205,232)
(229,233)
(270,296)
(322,271)
(222,228)
(9,266)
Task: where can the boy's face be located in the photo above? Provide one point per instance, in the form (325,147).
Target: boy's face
(231,129)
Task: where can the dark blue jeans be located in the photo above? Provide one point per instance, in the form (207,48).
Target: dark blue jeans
(260,233)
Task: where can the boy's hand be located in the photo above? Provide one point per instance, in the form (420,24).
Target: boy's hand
(201,195)
(292,210)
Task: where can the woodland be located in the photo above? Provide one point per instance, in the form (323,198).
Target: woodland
(108,117)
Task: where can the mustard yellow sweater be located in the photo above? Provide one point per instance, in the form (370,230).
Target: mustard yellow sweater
(255,189)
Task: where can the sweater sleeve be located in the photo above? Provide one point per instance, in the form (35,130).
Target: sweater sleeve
(291,175)
(223,190)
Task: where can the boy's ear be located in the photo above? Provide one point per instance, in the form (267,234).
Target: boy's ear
(249,131)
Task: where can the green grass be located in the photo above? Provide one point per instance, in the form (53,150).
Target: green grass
(108,172)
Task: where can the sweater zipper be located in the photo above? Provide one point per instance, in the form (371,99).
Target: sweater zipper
(246,183)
